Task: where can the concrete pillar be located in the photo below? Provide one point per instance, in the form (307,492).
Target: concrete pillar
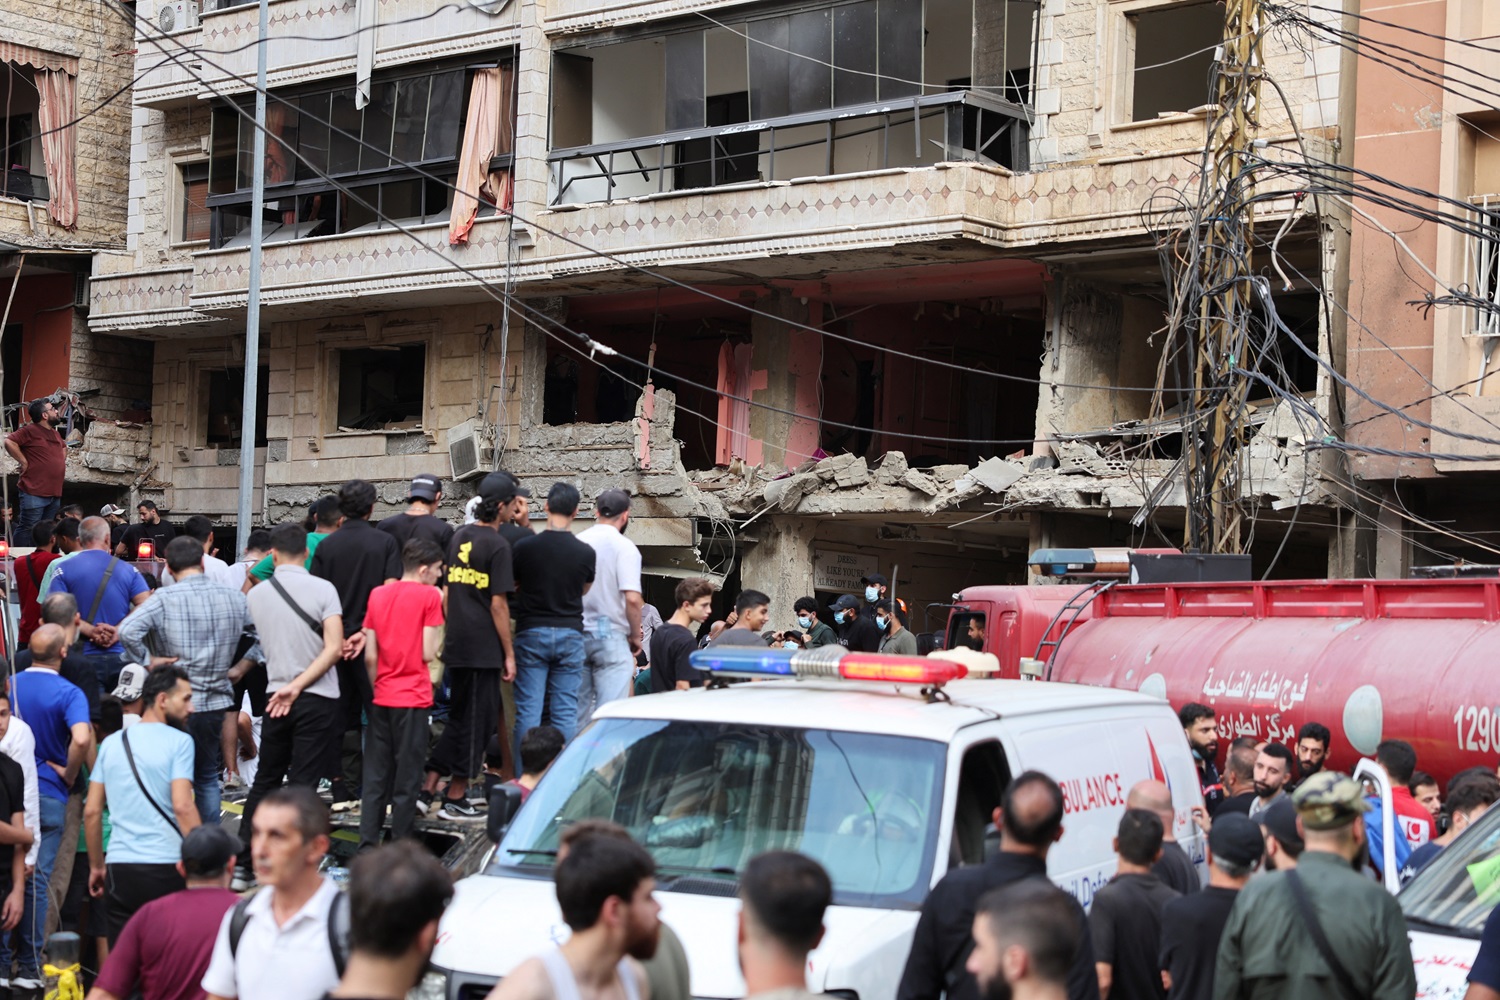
(785,368)
(1393,548)
(781,563)
(533,73)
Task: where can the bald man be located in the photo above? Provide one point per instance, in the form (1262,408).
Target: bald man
(1174,867)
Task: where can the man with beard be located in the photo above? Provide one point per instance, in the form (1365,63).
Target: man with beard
(144,777)
(1273,769)
(1312,750)
(1200,724)
(397,893)
(38,449)
(1030,819)
(1283,840)
(1025,937)
(1289,930)
(1239,779)
(604,886)
(783,895)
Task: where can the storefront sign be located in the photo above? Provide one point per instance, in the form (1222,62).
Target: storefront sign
(841,571)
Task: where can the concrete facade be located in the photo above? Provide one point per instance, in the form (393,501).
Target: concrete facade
(1035,282)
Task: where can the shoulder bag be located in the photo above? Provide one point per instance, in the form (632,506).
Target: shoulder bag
(125,741)
(312,622)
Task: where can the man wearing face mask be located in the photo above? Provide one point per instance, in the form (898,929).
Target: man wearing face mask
(817,633)
(895,638)
(845,612)
(1344,923)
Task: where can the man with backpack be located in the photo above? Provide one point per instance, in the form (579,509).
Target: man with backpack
(289,940)
(106,589)
(144,776)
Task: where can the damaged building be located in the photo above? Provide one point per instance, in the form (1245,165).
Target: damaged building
(833,288)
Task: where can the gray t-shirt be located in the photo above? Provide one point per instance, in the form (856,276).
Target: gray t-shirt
(738,637)
(288,641)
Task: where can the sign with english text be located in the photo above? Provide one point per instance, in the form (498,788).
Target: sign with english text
(841,571)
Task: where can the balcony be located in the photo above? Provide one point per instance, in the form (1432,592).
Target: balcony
(23,186)
(954,126)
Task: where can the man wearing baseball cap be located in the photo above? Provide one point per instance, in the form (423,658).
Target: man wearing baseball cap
(1191,925)
(1321,930)
(164,948)
(1283,840)
(115,515)
(611,608)
(420,519)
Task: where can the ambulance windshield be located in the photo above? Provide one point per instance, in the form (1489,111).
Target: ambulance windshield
(704,798)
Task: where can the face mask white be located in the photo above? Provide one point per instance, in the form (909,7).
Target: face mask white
(881,623)
(872,593)
(789,644)
(804,621)
(838,616)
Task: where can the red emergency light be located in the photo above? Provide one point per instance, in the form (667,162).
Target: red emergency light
(4,549)
(827,662)
(145,550)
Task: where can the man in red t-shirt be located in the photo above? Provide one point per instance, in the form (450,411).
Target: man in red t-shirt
(402,622)
(1400,760)
(164,949)
(38,449)
(30,569)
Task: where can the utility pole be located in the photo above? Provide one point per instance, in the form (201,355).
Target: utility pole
(1211,442)
(249,418)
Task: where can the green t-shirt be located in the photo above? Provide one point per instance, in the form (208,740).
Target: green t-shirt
(261,571)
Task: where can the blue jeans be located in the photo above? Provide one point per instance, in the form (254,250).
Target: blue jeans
(549,663)
(106,668)
(34,916)
(208,754)
(34,510)
(609,667)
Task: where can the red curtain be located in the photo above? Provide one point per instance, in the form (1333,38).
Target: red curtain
(58,97)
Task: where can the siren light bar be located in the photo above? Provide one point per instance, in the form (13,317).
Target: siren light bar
(827,662)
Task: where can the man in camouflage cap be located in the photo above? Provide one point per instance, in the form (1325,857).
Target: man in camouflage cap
(1270,950)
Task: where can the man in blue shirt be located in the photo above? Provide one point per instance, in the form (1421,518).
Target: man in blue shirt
(144,775)
(58,714)
(106,590)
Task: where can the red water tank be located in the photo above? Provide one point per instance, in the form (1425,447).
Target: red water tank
(1369,659)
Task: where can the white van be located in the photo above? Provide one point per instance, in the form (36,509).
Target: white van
(888,787)
(1447,903)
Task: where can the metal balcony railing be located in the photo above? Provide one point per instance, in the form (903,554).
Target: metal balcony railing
(23,186)
(957,125)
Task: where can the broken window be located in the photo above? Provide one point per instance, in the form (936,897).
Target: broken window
(382,388)
(23,177)
(402,148)
(193,218)
(1172,51)
(224,396)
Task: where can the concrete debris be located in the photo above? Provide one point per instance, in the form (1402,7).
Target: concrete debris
(892,467)
(921,482)
(994,474)
(948,474)
(787,494)
(856,473)
(1080,458)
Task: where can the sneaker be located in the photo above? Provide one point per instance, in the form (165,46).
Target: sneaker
(424,802)
(345,799)
(459,810)
(244,879)
(21,987)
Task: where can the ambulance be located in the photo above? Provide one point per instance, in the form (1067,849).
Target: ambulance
(1446,905)
(887,770)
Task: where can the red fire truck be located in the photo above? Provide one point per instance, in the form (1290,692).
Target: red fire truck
(1370,659)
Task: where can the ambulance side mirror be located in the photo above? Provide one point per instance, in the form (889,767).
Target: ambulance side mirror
(505,802)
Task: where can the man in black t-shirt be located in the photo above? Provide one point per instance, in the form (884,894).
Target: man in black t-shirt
(150,526)
(420,519)
(1126,915)
(553,570)
(674,640)
(13,823)
(515,510)
(1192,925)
(476,652)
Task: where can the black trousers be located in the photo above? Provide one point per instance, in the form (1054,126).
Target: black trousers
(355,698)
(395,748)
(128,887)
(293,748)
(473,717)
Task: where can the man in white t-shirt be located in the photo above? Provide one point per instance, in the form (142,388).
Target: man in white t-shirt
(611,608)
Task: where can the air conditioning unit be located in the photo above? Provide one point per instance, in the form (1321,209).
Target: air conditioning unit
(471,450)
(178,15)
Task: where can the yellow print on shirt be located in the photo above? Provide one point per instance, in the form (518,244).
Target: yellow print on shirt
(471,577)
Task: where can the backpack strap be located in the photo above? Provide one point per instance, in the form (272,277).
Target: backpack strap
(312,622)
(109,571)
(338,929)
(1341,976)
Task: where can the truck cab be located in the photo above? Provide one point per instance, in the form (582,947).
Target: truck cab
(1008,621)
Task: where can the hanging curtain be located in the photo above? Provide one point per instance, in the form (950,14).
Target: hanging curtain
(366,17)
(58,93)
(488,133)
(733,437)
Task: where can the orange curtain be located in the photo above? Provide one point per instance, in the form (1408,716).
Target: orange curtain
(58,96)
(733,437)
(488,132)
